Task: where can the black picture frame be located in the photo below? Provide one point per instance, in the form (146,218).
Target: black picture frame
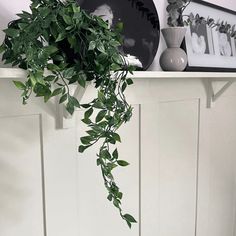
(211,60)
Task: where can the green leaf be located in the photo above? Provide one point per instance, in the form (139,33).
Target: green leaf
(86,121)
(129,224)
(98,105)
(50,49)
(119,27)
(74,101)
(82,82)
(67,19)
(83,148)
(50,78)
(44,11)
(115,43)
(101,96)
(86,140)
(85,106)
(24,15)
(101,47)
(88,113)
(116,203)
(110,197)
(68,73)
(76,8)
(11,32)
(129,218)
(124,86)
(129,81)
(92,45)
(81,78)
(41,90)
(100,115)
(115,154)
(91,133)
(72,40)
(47,96)
(63,98)
(122,163)
(34,4)
(19,85)
(2,48)
(60,37)
(99,162)
(54,30)
(58,58)
(112,141)
(120,195)
(102,23)
(111,166)
(117,59)
(105,155)
(116,137)
(70,108)
(56,92)
(53,67)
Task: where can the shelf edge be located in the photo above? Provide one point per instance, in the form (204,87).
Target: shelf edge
(11,73)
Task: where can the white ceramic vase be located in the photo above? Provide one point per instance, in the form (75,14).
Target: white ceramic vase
(173,57)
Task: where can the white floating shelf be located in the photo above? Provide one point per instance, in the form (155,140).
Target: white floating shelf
(12,73)
(19,73)
(181,75)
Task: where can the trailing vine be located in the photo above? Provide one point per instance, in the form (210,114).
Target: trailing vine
(75,48)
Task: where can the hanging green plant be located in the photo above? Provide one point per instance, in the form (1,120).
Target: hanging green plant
(75,48)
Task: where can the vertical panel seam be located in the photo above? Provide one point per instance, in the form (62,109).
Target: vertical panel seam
(234,209)
(43,175)
(197,167)
(140,172)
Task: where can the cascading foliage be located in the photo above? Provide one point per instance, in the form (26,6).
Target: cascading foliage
(75,48)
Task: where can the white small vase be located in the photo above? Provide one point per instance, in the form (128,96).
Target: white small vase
(173,58)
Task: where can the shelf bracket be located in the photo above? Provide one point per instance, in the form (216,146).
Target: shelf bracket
(65,119)
(212,95)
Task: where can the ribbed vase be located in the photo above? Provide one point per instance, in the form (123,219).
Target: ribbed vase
(173,58)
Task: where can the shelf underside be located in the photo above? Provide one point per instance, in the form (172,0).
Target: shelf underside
(19,73)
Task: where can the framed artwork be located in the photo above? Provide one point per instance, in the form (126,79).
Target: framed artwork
(141,31)
(208,47)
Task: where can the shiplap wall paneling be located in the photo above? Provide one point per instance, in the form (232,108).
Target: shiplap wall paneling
(169,167)
(217,170)
(21,190)
(60,171)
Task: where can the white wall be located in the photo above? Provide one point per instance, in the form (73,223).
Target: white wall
(10,8)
